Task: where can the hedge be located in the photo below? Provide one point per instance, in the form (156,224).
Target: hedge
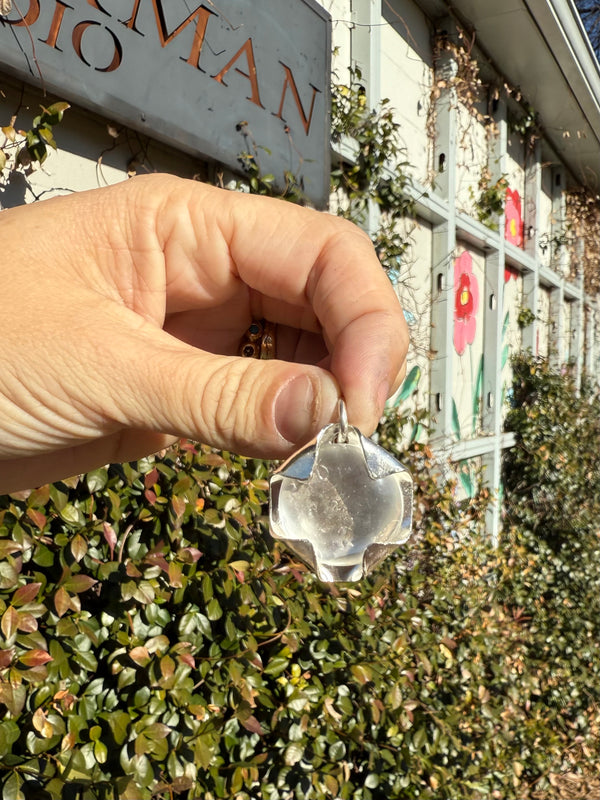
(156,644)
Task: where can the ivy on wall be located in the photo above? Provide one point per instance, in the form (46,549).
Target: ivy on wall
(376,174)
(22,149)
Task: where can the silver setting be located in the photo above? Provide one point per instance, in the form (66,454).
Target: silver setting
(342,503)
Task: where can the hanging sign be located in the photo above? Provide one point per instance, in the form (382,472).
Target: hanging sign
(242,82)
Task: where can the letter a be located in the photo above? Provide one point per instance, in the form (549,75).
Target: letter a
(251,74)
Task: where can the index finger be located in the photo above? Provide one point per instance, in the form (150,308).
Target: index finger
(327,267)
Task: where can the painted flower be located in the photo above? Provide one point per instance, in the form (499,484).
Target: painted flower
(510,272)
(466,302)
(513,226)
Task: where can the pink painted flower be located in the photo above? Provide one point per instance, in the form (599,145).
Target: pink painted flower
(513,226)
(466,302)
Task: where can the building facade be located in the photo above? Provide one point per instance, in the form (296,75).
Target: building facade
(499,108)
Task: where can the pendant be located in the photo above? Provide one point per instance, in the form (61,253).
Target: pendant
(342,503)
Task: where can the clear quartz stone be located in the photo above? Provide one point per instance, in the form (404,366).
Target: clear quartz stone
(341,505)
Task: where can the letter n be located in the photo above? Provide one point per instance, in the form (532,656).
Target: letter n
(290,83)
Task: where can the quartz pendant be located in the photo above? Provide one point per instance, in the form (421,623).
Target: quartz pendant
(342,503)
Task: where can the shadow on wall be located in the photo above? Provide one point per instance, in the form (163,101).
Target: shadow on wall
(13,192)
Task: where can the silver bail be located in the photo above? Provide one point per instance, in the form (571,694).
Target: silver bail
(342,503)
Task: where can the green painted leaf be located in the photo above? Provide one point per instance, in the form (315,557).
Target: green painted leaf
(410,385)
(455,420)
(477,394)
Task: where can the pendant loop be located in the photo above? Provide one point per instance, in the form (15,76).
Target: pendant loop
(343,423)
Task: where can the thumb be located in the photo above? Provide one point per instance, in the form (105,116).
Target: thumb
(264,409)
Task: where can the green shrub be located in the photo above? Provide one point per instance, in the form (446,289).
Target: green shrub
(156,643)
(552,476)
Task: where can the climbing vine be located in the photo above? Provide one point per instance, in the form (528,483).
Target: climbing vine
(375,174)
(22,149)
(583,222)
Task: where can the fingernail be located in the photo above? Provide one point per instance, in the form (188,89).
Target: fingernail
(302,408)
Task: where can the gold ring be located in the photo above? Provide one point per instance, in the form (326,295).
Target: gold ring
(259,340)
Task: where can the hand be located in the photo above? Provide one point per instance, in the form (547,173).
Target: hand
(122,312)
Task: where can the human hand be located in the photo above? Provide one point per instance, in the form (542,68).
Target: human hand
(122,312)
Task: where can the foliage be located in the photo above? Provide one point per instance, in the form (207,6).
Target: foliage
(525,317)
(552,478)
(376,175)
(489,203)
(156,643)
(583,225)
(23,148)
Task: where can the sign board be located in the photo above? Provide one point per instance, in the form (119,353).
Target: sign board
(220,78)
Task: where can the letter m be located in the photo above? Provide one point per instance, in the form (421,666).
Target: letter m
(201,16)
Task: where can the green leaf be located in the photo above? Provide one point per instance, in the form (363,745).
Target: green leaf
(79,583)
(293,754)
(96,480)
(72,515)
(11,788)
(214,610)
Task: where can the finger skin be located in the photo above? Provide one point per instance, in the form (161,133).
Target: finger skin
(121,311)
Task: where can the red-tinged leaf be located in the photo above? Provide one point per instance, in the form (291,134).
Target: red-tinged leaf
(8,547)
(151,478)
(62,601)
(187,659)
(253,725)
(79,583)
(38,519)
(79,547)
(167,666)
(6,657)
(27,622)
(65,698)
(25,594)
(212,460)
(450,643)
(132,571)
(110,537)
(140,655)
(35,658)
(150,496)
(158,559)
(157,730)
(189,555)
(179,504)
(175,574)
(13,697)
(10,622)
